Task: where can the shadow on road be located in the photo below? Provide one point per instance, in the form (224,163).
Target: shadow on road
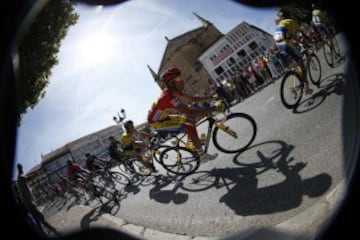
(110,207)
(245,196)
(164,190)
(332,84)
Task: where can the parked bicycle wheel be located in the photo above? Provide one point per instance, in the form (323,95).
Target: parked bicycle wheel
(179,160)
(291,89)
(240,131)
(314,69)
(331,51)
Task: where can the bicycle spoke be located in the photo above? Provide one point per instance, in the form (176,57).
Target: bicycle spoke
(291,90)
(239,134)
(314,69)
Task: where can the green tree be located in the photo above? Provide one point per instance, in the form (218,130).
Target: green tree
(299,11)
(38,49)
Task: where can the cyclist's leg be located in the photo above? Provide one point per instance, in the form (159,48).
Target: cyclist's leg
(296,55)
(145,159)
(186,124)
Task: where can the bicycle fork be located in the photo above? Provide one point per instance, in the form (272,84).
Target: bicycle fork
(225,128)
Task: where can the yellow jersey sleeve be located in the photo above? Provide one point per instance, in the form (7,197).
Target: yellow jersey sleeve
(126,139)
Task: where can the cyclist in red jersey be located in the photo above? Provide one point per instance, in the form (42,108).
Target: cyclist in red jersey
(75,172)
(171,112)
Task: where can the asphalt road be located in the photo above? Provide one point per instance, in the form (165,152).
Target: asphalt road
(294,161)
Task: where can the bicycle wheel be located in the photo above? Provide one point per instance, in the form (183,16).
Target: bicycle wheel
(291,89)
(240,133)
(157,152)
(314,69)
(331,51)
(179,160)
(120,178)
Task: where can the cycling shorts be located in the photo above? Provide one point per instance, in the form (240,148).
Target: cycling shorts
(289,50)
(173,123)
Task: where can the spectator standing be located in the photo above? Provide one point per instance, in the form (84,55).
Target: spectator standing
(27,201)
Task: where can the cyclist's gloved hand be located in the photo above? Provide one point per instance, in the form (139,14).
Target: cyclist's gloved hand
(219,106)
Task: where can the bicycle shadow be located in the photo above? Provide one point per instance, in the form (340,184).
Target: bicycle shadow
(267,154)
(334,83)
(246,198)
(165,190)
(112,207)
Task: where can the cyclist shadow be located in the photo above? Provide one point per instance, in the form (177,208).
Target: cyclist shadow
(246,198)
(334,83)
(165,190)
(112,207)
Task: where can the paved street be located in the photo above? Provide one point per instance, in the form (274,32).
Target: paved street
(295,164)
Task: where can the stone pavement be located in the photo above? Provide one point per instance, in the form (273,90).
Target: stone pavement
(301,226)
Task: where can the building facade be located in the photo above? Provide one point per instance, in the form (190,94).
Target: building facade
(53,164)
(206,56)
(235,51)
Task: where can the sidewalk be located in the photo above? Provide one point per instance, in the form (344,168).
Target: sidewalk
(304,225)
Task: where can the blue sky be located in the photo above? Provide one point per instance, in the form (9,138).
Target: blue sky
(103,66)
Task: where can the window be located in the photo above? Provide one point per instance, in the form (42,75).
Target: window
(231,61)
(241,53)
(253,45)
(219,70)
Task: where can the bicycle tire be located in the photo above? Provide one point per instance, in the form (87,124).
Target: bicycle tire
(157,152)
(330,53)
(314,69)
(120,178)
(291,88)
(245,130)
(188,163)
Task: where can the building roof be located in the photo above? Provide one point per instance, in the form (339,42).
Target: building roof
(179,41)
(260,30)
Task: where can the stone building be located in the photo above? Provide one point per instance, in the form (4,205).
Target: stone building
(183,51)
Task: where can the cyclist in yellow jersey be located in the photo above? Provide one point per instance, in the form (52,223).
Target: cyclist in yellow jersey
(133,144)
(318,21)
(285,35)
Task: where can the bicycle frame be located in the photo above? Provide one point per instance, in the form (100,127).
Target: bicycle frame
(212,123)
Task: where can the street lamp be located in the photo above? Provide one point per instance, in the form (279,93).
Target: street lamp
(120,116)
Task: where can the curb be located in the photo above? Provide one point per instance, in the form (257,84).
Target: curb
(304,225)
